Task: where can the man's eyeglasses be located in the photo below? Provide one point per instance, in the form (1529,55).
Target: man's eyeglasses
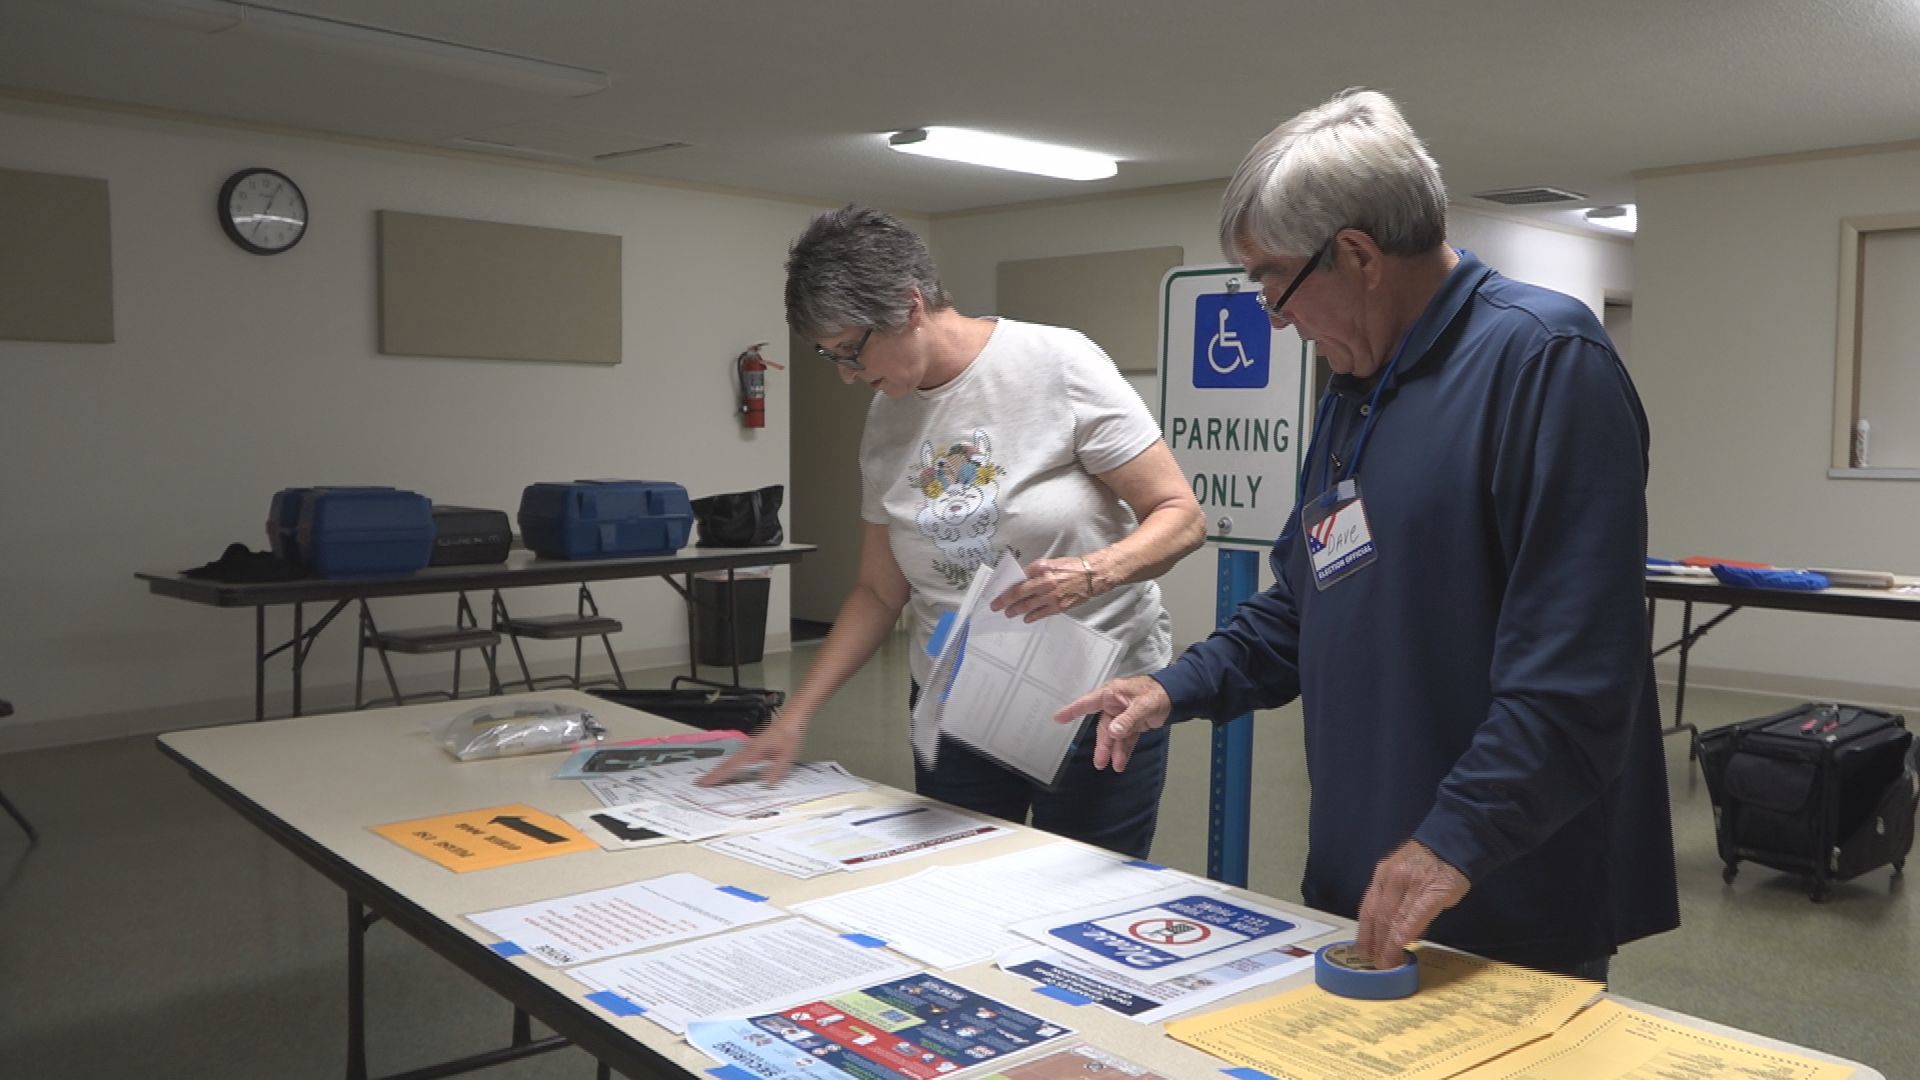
(1286,294)
(851,361)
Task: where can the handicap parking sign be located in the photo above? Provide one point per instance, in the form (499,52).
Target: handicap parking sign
(1231,339)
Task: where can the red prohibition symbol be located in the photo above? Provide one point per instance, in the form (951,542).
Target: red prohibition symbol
(1170,931)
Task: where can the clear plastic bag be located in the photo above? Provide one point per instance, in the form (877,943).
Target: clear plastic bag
(506,729)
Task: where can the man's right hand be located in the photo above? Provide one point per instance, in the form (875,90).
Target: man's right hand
(1126,708)
(773,749)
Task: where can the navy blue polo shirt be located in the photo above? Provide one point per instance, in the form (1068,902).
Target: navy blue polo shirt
(1485,685)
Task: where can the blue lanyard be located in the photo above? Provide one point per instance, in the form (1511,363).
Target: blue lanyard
(1321,414)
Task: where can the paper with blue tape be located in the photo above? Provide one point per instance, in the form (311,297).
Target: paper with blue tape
(507,948)
(731,1072)
(866,941)
(734,890)
(615,1004)
(1144,864)
(1247,1074)
(1067,996)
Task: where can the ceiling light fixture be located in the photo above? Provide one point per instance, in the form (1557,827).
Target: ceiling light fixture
(1620,219)
(394,47)
(1003,152)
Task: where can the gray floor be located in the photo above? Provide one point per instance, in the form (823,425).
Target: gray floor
(155,934)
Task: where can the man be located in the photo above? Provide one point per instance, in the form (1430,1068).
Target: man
(1458,598)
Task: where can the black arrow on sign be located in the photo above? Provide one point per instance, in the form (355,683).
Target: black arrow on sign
(519,825)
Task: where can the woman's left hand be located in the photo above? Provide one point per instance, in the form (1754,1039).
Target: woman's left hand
(1052,586)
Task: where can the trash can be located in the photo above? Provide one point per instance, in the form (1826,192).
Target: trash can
(735,633)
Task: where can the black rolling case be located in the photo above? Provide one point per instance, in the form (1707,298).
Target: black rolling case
(741,708)
(1827,791)
(465,536)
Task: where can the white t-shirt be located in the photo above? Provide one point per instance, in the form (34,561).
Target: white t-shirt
(1004,458)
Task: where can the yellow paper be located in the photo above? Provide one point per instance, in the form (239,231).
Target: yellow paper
(1467,1011)
(1612,1042)
(482,839)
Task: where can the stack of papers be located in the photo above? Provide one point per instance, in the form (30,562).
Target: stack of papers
(860,838)
(740,797)
(997,681)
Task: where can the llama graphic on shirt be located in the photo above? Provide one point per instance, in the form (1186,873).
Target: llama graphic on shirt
(962,511)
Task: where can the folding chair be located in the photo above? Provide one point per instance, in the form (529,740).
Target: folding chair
(585,622)
(33,837)
(466,633)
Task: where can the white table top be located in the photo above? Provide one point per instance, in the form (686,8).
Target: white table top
(326,780)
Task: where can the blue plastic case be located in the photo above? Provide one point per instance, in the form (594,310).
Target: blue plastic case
(599,519)
(357,532)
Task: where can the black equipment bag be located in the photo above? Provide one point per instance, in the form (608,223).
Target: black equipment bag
(1823,790)
(740,518)
(466,536)
(717,708)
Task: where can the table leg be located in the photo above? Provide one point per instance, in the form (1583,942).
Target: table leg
(356,990)
(259,663)
(299,650)
(733,627)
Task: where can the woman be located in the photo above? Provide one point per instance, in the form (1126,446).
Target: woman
(986,435)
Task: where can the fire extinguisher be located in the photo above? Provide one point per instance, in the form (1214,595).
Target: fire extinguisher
(750,372)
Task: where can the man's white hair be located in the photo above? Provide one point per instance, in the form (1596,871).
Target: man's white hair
(1352,163)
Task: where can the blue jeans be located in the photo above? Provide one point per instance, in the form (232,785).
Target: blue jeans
(1115,811)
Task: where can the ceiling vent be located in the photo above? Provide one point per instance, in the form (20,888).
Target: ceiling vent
(1528,196)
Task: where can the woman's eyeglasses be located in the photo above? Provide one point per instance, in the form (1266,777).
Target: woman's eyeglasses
(850,361)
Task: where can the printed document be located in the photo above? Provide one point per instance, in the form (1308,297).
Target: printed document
(999,680)
(1612,1042)
(745,972)
(1466,1012)
(917,1028)
(1151,1002)
(952,916)
(608,922)
(863,837)
(1081,1062)
(742,797)
(1176,932)
(752,848)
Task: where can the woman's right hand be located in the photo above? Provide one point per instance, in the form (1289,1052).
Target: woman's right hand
(774,749)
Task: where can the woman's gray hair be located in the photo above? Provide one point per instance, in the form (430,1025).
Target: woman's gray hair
(853,268)
(1352,163)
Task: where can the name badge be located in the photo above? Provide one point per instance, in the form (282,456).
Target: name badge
(1339,541)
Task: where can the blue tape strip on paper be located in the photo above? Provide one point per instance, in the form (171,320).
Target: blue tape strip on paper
(507,948)
(1144,864)
(1246,1074)
(1364,985)
(731,1072)
(1067,996)
(615,1004)
(866,941)
(735,890)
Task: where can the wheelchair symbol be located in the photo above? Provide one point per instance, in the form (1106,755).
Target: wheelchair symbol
(1218,345)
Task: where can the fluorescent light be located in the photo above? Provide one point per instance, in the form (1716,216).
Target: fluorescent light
(1003,152)
(371,43)
(1621,219)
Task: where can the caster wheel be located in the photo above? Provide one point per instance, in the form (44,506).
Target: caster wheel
(1729,873)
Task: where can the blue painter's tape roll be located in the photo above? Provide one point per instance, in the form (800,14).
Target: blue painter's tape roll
(1342,969)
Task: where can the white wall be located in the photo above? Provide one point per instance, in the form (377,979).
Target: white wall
(233,375)
(1736,277)
(969,246)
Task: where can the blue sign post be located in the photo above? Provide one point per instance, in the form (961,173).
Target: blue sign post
(1231,392)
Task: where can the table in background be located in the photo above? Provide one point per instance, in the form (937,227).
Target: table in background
(1864,603)
(286,778)
(522,569)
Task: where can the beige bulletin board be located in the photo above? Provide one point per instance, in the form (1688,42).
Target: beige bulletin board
(56,258)
(452,287)
(1112,297)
